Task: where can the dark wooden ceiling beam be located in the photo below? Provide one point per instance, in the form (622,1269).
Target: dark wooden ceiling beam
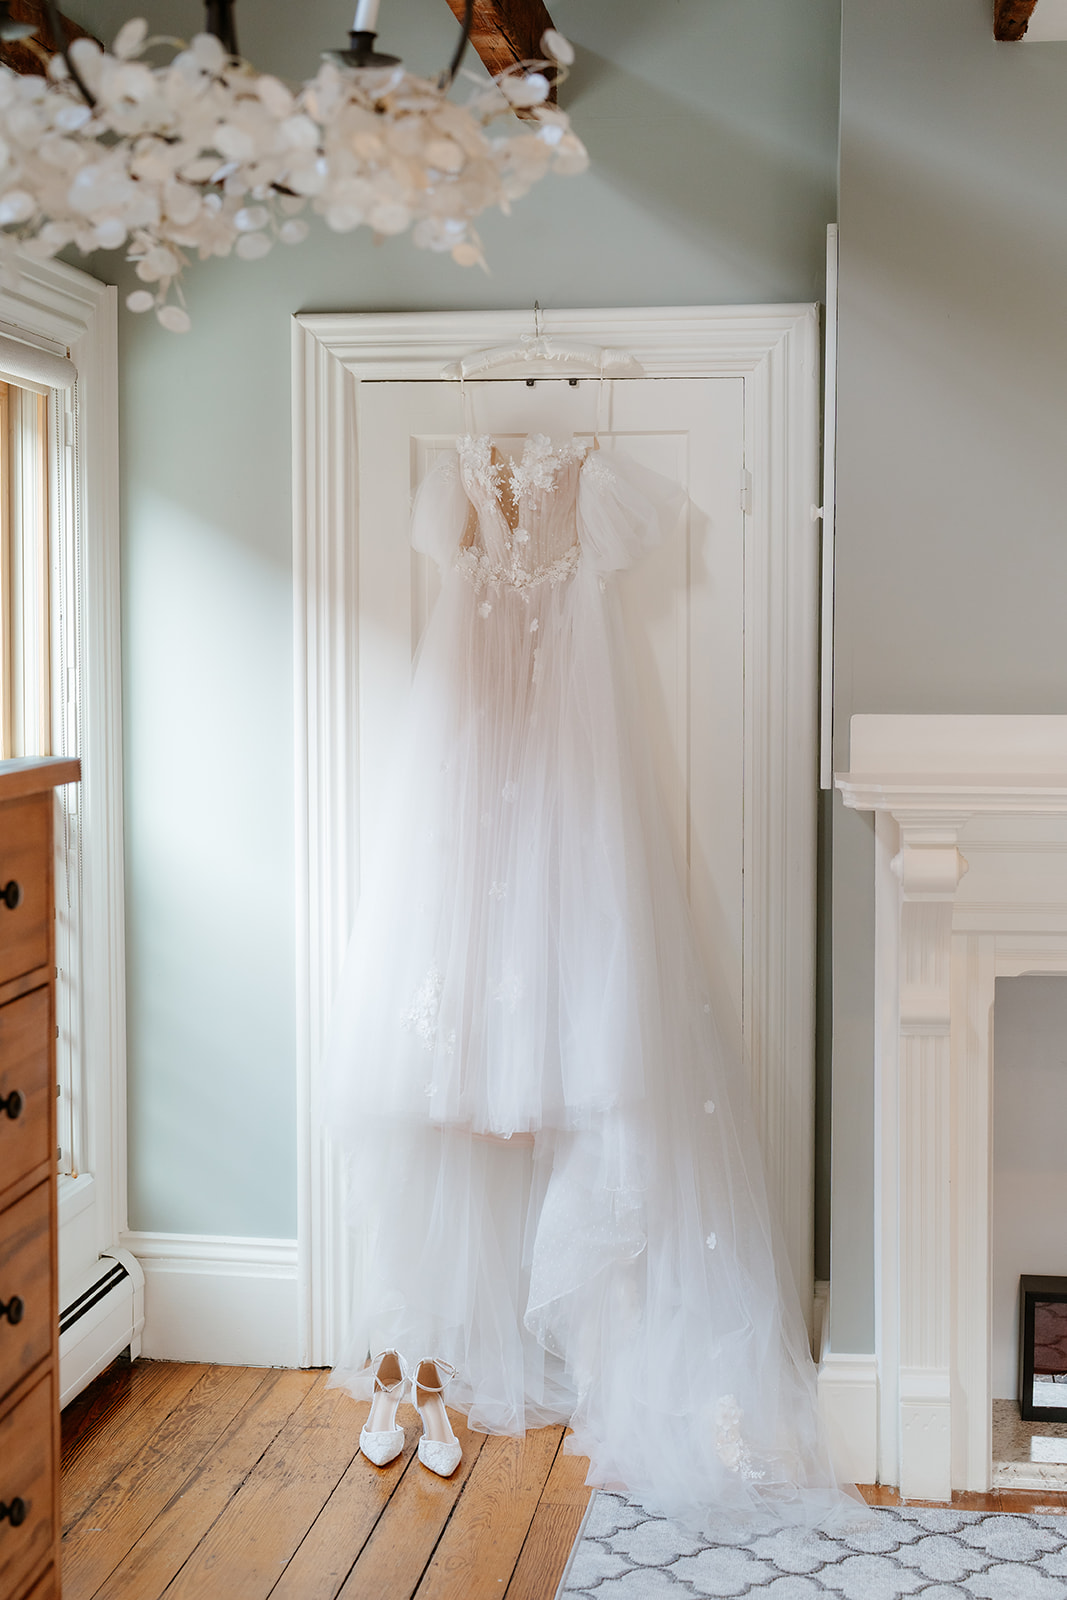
(505,31)
(30,56)
(1010,18)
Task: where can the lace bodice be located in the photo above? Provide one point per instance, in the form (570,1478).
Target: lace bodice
(526,523)
(522,530)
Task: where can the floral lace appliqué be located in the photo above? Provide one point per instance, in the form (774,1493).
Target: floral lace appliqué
(476,452)
(539,464)
(509,991)
(730,1440)
(422,1015)
(536,468)
(596,468)
(477,568)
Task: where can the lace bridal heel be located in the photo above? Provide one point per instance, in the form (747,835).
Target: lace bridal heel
(380,1440)
(439,1449)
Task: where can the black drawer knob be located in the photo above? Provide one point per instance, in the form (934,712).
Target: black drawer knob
(12,1310)
(11,894)
(12,1104)
(15,1512)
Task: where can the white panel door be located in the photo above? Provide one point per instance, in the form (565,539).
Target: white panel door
(684,605)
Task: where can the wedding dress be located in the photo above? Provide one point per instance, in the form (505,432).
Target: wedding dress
(553,1176)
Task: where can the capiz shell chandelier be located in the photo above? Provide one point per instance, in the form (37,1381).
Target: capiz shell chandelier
(206,156)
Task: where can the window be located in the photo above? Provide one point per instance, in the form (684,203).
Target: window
(39,672)
(25,578)
(60,696)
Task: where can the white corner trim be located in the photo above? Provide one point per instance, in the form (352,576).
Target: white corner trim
(820,1319)
(826,515)
(848,1405)
(75,1195)
(775,349)
(209,1297)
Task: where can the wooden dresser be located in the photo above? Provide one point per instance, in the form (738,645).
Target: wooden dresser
(29,1313)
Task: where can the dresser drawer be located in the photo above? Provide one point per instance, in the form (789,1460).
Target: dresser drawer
(25,1277)
(25,861)
(27,1085)
(26,1445)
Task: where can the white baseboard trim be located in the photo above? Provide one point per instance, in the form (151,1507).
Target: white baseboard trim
(848,1404)
(212,1298)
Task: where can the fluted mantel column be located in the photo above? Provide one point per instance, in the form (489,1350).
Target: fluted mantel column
(929,868)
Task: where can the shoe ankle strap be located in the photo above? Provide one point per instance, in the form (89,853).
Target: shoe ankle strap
(398,1383)
(439,1367)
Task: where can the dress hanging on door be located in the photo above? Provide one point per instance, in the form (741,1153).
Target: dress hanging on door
(553,1176)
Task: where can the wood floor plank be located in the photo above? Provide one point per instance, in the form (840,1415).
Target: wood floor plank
(397,1552)
(174,1534)
(877,1494)
(480,1546)
(255,1538)
(335,1540)
(555,1526)
(1035,1501)
(1026,1500)
(100,1453)
(105,1396)
(127,1504)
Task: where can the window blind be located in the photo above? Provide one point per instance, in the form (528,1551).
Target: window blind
(31,368)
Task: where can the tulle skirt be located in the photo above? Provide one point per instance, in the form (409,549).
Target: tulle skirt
(554,1182)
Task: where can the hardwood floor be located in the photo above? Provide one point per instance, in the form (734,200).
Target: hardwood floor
(239,1483)
(1039,1501)
(235,1483)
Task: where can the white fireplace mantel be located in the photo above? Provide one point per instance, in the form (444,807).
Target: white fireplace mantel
(971,885)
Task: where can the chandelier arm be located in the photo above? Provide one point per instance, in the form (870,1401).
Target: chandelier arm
(219,20)
(448,77)
(59,38)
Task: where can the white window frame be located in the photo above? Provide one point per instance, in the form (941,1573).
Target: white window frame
(66,312)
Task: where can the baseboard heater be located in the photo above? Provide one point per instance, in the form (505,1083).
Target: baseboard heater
(101,1322)
(96,1292)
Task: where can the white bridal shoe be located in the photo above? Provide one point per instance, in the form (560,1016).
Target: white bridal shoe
(380,1440)
(439,1449)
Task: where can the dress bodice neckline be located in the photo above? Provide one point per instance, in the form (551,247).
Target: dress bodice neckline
(525,471)
(542,443)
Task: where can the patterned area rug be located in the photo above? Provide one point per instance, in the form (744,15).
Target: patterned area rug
(624,1554)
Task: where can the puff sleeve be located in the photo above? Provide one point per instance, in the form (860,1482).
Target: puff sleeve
(439,514)
(624,510)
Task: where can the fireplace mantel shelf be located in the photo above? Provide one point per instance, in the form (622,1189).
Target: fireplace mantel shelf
(1036,794)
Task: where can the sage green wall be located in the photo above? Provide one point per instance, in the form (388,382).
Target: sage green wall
(952,471)
(712,126)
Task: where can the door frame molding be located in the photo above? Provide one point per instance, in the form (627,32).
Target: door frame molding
(775,349)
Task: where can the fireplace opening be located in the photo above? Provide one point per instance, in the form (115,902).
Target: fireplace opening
(1030,1233)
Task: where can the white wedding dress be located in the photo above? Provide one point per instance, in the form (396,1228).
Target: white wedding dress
(554,1180)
